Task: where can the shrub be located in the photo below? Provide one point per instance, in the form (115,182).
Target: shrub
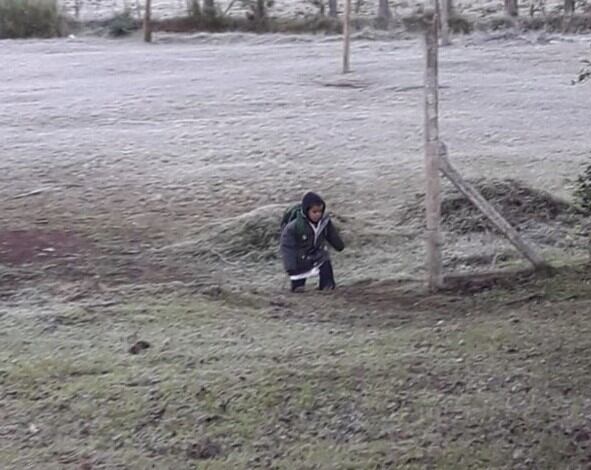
(583,189)
(30,18)
(460,24)
(257,12)
(122,25)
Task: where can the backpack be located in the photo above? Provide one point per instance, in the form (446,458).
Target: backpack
(292,213)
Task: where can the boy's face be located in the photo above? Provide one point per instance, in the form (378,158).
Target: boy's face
(315,213)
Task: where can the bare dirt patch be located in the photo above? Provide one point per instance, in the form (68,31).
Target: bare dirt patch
(19,247)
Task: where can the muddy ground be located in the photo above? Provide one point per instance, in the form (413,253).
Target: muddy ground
(143,317)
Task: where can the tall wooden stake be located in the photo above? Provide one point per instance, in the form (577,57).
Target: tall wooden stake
(433,189)
(148,22)
(347,38)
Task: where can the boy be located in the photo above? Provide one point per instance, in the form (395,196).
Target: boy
(304,244)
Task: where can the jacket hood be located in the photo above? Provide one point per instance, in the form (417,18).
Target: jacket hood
(312,199)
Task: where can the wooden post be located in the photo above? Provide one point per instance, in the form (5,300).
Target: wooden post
(433,185)
(148,22)
(347,38)
(489,211)
(444,10)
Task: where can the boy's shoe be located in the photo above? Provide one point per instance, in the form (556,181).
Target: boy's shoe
(328,288)
(299,290)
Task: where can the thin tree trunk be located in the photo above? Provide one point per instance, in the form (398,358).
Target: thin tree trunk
(384,11)
(358,4)
(261,12)
(569,7)
(332,8)
(148,22)
(347,38)
(432,167)
(444,14)
(512,7)
(209,8)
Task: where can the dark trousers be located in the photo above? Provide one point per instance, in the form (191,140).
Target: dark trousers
(326,278)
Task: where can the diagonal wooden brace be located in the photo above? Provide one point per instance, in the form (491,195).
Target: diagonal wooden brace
(490,212)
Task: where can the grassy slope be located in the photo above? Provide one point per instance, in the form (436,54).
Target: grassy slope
(239,381)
